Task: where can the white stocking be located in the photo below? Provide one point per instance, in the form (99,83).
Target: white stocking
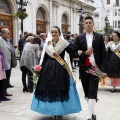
(86,99)
(91,104)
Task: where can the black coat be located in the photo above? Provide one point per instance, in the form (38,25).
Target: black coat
(98,45)
(21,43)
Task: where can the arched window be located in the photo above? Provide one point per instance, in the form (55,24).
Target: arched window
(64,19)
(40,21)
(5,16)
(4,7)
(64,24)
(40,14)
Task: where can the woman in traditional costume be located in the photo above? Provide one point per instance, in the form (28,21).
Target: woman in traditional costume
(106,41)
(55,93)
(113,61)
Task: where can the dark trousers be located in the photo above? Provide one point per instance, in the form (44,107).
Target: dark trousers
(2,90)
(2,84)
(20,54)
(8,74)
(71,61)
(89,83)
(27,72)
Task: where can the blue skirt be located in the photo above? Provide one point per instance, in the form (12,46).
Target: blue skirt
(59,108)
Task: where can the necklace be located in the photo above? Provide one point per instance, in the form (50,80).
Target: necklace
(54,42)
(116,42)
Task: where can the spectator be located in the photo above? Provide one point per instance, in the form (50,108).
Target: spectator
(42,37)
(7,48)
(28,60)
(21,43)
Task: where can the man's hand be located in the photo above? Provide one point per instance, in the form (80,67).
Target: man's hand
(89,51)
(79,52)
(104,75)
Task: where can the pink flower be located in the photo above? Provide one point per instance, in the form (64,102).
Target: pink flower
(37,68)
(90,71)
(94,68)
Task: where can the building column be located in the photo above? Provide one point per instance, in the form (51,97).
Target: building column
(51,15)
(71,24)
(56,13)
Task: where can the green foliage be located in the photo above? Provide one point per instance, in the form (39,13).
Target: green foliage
(109,29)
(21,15)
(81,24)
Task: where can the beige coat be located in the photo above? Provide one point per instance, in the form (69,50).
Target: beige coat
(6,51)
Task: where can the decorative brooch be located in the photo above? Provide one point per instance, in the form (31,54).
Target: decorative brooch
(93,37)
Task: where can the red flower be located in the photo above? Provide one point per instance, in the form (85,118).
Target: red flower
(37,68)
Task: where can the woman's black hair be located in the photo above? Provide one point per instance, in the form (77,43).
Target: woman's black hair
(118,34)
(108,37)
(57,28)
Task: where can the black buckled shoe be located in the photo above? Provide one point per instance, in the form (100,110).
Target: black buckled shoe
(93,117)
(113,90)
(10,86)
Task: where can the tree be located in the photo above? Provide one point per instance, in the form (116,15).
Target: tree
(108,29)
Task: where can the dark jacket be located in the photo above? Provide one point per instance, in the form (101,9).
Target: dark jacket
(21,43)
(99,50)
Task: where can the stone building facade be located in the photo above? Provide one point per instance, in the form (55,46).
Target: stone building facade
(42,15)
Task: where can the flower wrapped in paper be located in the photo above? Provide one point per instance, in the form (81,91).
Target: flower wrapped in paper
(36,73)
(97,72)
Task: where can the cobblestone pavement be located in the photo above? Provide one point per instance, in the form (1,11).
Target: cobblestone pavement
(107,108)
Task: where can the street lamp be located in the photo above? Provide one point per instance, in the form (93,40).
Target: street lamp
(106,23)
(22,3)
(81,20)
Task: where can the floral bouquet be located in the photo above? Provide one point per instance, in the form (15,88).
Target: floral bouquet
(36,73)
(97,72)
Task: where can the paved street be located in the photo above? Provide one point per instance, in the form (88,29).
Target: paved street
(107,108)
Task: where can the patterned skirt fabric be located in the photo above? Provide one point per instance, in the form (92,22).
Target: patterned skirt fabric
(115,81)
(113,66)
(72,105)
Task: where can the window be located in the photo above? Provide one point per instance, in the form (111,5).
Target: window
(117,2)
(64,19)
(118,23)
(118,12)
(108,1)
(96,24)
(40,14)
(115,24)
(4,7)
(4,23)
(108,12)
(96,14)
(115,12)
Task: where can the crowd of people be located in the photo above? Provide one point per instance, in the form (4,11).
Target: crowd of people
(56,93)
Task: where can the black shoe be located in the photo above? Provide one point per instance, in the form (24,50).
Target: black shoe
(31,90)
(88,119)
(25,89)
(10,86)
(93,117)
(7,94)
(73,68)
(113,90)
